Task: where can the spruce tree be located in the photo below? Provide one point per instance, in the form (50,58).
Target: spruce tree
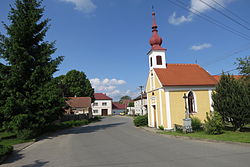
(232,100)
(29,98)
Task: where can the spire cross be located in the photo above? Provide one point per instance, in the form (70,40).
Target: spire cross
(154,26)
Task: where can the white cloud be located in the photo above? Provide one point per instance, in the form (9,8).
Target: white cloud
(178,20)
(200,47)
(86,6)
(95,81)
(113,81)
(195,5)
(112,87)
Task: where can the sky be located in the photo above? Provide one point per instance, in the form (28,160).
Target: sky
(109,39)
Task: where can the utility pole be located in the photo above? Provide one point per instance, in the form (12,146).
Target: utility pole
(141,87)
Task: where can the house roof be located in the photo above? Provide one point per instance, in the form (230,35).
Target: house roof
(217,77)
(79,102)
(184,75)
(119,106)
(101,96)
(144,96)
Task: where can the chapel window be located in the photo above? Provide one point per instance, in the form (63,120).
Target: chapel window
(158,60)
(191,102)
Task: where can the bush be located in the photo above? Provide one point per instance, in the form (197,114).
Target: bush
(196,124)
(5,150)
(96,118)
(68,124)
(141,120)
(161,127)
(26,134)
(213,125)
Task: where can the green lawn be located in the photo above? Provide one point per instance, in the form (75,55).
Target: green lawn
(243,137)
(9,138)
(10,142)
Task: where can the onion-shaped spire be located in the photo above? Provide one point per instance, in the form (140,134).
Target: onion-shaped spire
(155,41)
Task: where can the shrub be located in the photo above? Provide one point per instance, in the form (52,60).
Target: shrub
(141,120)
(213,124)
(26,134)
(5,150)
(74,123)
(161,127)
(96,118)
(196,124)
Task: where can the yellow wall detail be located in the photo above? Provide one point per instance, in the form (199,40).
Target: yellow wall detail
(177,105)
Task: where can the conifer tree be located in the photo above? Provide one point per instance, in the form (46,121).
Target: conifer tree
(29,98)
(232,100)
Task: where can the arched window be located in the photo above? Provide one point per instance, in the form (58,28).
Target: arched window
(191,102)
(158,60)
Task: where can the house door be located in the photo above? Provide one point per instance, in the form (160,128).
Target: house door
(154,110)
(104,112)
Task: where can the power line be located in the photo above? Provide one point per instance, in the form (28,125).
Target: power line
(232,13)
(216,22)
(227,71)
(230,18)
(141,87)
(211,20)
(226,56)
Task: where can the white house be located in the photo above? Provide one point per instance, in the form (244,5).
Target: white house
(102,105)
(140,104)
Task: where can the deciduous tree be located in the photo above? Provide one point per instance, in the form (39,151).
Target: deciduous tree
(75,83)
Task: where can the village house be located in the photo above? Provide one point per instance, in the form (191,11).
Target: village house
(102,105)
(78,105)
(140,105)
(118,108)
(168,84)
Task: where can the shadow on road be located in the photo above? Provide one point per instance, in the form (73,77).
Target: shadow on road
(83,129)
(37,163)
(15,156)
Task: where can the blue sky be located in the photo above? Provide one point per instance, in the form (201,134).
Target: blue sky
(108,39)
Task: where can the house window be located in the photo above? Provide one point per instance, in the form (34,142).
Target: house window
(95,104)
(151,61)
(95,111)
(191,102)
(158,60)
(104,104)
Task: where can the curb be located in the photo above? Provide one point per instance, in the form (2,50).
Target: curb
(152,130)
(17,148)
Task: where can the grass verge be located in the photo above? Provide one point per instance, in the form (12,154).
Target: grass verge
(242,137)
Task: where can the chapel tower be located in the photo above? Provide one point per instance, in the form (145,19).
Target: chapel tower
(157,54)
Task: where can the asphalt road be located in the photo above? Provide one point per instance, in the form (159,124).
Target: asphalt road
(115,142)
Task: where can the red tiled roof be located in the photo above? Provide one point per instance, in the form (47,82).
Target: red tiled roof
(79,102)
(144,96)
(184,75)
(217,77)
(101,96)
(117,105)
